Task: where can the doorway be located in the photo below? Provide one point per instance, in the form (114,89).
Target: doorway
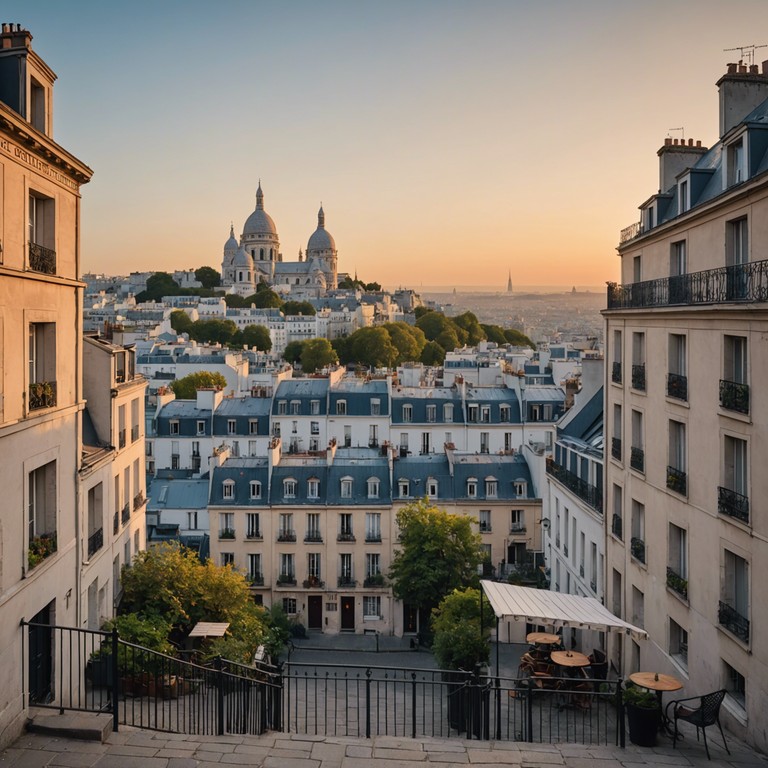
(315,612)
(410,619)
(41,657)
(348,613)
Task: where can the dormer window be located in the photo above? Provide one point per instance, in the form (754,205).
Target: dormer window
(346,487)
(448,412)
(255,489)
(282,407)
(521,488)
(341,407)
(228,489)
(174,427)
(491,487)
(200,427)
(407,413)
(375,407)
(684,201)
(313,488)
(472,487)
(432,488)
(735,158)
(403,487)
(289,488)
(373,487)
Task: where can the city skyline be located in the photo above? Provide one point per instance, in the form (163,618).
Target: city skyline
(449,143)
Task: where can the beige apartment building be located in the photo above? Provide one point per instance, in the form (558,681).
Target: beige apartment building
(686,415)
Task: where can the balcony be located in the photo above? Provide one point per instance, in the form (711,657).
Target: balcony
(733,504)
(134,433)
(637,459)
(125,515)
(616,448)
(313,536)
(677,481)
(516,529)
(373,538)
(485,527)
(734,396)
(40,548)
(255,579)
(637,548)
(253,534)
(373,443)
(733,621)
(591,494)
(286,580)
(677,386)
(116,523)
(677,583)
(42,259)
(346,536)
(346,581)
(616,373)
(286,535)
(95,542)
(630,233)
(227,533)
(740,283)
(374,580)
(138,500)
(617,527)
(42,394)
(313,582)
(638,377)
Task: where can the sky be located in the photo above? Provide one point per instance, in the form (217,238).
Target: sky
(450,143)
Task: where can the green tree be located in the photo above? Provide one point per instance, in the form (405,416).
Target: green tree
(292,351)
(407,339)
(448,339)
(316,354)
(459,642)
(494,333)
(298,308)
(265,298)
(469,323)
(158,285)
(372,347)
(341,347)
(186,387)
(181,322)
(420,311)
(255,337)
(433,324)
(513,336)
(235,301)
(432,354)
(208,277)
(439,552)
(373,287)
(213,331)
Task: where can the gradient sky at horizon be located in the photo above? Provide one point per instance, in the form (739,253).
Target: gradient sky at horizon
(449,142)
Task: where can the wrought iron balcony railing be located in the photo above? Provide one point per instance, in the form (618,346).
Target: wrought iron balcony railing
(616,373)
(138,500)
(254,533)
(42,259)
(638,377)
(346,536)
(313,536)
(732,504)
(42,394)
(255,579)
(517,528)
(286,535)
(313,582)
(286,580)
(629,233)
(616,448)
(677,481)
(617,526)
(733,621)
(637,459)
(374,580)
(372,537)
(125,515)
(737,283)
(734,396)
(637,548)
(95,542)
(677,583)
(346,581)
(584,490)
(677,386)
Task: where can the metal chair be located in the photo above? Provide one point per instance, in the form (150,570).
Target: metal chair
(706,714)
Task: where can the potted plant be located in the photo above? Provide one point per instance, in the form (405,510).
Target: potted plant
(643,715)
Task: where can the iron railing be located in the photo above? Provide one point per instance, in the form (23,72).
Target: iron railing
(42,394)
(286,535)
(372,537)
(346,536)
(616,373)
(637,459)
(616,448)
(125,515)
(138,500)
(346,581)
(116,523)
(617,526)
(630,233)
(587,492)
(677,583)
(677,481)
(677,386)
(95,542)
(734,396)
(638,377)
(733,621)
(313,536)
(313,582)
(42,259)
(732,504)
(746,283)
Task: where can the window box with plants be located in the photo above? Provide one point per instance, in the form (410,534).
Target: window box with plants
(40,547)
(227,533)
(643,715)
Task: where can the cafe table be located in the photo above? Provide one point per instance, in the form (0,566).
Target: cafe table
(570,659)
(543,638)
(656,681)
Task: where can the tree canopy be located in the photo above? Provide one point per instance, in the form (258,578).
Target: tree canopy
(292,352)
(186,387)
(513,336)
(264,299)
(407,339)
(181,322)
(255,337)
(158,285)
(298,308)
(432,354)
(317,354)
(439,552)
(208,277)
(459,642)
(213,331)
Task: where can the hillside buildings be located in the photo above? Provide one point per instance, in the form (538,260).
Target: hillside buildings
(686,550)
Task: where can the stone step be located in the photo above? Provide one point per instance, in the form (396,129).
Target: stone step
(86,726)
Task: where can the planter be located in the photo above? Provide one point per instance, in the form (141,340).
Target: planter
(643,724)
(99,671)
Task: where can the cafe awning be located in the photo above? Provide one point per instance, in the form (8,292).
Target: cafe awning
(540,606)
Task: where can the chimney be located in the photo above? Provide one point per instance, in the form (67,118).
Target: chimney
(741,89)
(674,158)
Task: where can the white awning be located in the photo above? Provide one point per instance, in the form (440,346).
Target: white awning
(540,606)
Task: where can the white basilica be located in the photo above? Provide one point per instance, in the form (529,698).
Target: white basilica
(257,258)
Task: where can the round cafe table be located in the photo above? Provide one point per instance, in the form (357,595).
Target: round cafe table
(543,638)
(570,659)
(656,681)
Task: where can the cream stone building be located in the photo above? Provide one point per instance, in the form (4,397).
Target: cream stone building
(685,480)
(41,397)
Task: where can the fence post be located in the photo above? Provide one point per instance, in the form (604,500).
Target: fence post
(413,704)
(529,713)
(368,674)
(620,710)
(498,708)
(219,696)
(115,692)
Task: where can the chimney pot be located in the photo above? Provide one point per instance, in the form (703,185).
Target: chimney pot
(765,67)
(731,69)
(675,142)
(742,69)
(667,141)
(690,142)
(753,70)
(698,143)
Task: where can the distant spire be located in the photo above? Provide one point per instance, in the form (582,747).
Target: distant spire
(231,228)
(259,197)
(300,257)
(509,282)
(321,218)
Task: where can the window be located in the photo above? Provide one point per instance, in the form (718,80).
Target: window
(371,608)
(192,521)
(521,488)
(638,531)
(517,521)
(287,571)
(638,361)
(472,487)
(314,407)
(403,487)
(618,514)
(736,257)
(276,429)
(616,376)
(134,420)
(227,558)
(373,526)
(41,513)
(282,407)
(637,456)
(226,525)
(735,684)
(37,111)
(677,569)
(682,195)
(313,488)
(485,414)
(313,566)
(253,448)
(637,264)
(491,487)
(314,427)
(677,259)
(345,569)
(200,427)
(733,495)
(228,489)
(508,442)
(253,426)
(289,605)
(313,527)
(347,435)
(42,234)
(346,487)
(472,413)
(373,485)
(616,440)
(426,443)
(448,412)
(431,487)
(403,442)
(289,488)
(252,527)
(676,470)
(341,407)
(734,389)
(487,552)
(736,166)
(314,444)
(431,412)
(295,407)
(733,612)
(373,435)
(407,412)
(121,427)
(42,365)
(505,413)
(345,527)
(231,427)
(254,574)
(375,407)
(485,520)
(285,530)
(255,489)
(372,564)
(485,442)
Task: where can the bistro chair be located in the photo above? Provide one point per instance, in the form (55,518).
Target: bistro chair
(598,664)
(706,714)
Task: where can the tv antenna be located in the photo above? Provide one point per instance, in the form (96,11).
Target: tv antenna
(746,52)
(681,129)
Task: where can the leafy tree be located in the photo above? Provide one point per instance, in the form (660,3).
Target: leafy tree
(292,351)
(372,347)
(448,339)
(420,311)
(186,387)
(438,553)
(265,298)
(236,301)
(433,324)
(513,336)
(181,322)
(469,323)
(373,286)
(432,354)
(341,347)
(213,331)
(158,285)
(494,333)
(208,276)
(298,308)
(459,642)
(316,354)
(255,337)
(407,339)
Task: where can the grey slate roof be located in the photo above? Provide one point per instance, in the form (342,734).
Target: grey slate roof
(177,494)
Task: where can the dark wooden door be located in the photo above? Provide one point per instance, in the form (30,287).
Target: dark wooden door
(348,613)
(315,612)
(40,658)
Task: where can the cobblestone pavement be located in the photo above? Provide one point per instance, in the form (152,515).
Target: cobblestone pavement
(134,748)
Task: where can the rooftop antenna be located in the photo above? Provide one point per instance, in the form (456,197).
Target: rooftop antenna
(746,52)
(681,129)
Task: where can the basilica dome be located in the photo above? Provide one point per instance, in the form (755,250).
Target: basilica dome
(231,245)
(321,239)
(259,222)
